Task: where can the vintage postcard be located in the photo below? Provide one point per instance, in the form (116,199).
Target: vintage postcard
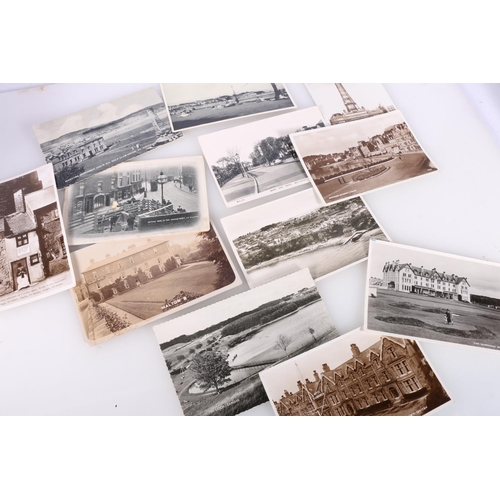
(194,104)
(353,158)
(86,142)
(143,198)
(258,159)
(347,102)
(432,295)
(295,232)
(214,355)
(358,374)
(121,285)
(34,260)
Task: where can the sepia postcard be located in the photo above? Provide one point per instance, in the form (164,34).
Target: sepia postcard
(432,295)
(358,374)
(34,260)
(86,142)
(357,157)
(214,355)
(137,199)
(122,286)
(257,159)
(195,104)
(296,232)
(347,102)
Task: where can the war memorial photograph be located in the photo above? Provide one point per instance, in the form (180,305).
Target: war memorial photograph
(357,157)
(432,295)
(214,355)
(122,285)
(357,374)
(257,159)
(195,104)
(86,142)
(138,198)
(33,250)
(295,232)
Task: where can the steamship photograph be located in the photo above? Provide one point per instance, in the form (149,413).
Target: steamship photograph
(360,156)
(432,295)
(138,198)
(86,142)
(33,252)
(195,104)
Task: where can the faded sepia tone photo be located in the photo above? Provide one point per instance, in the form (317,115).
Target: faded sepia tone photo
(143,198)
(358,374)
(196,104)
(33,251)
(214,355)
(432,295)
(347,102)
(353,158)
(86,142)
(295,232)
(123,285)
(258,159)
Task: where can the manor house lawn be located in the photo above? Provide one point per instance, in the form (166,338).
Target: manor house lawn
(422,316)
(146,300)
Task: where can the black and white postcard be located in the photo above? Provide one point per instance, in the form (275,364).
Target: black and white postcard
(347,102)
(214,355)
(432,295)
(137,199)
(296,232)
(195,104)
(257,159)
(123,285)
(353,158)
(34,260)
(358,374)
(89,141)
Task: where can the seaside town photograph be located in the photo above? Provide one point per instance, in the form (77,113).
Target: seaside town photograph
(433,296)
(33,252)
(358,374)
(86,142)
(138,199)
(258,158)
(356,157)
(195,104)
(214,355)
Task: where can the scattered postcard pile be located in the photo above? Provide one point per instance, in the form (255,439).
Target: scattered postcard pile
(153,251)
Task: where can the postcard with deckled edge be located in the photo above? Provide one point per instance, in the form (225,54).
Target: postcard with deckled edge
(432,296)
(123,285)
(192,105)
(86,142)
(34,256)
(358,157)
(255,160)
(296,232)
(357,374)
(214,355)
(138,199)
(347,102)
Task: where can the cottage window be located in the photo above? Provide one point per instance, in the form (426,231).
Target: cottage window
(34,259)
(120,265)
(411,384)
(131,260)
(384,373)
(391,351)
(22,240)
(155,250)
(401,368)
(125,284)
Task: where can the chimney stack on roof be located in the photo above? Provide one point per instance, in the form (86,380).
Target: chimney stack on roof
(326,368)
(355,350)
(299,384)
(316,376)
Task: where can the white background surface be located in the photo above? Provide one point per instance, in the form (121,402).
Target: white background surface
(45,366)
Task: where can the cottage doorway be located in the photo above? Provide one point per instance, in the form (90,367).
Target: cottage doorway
(20,274)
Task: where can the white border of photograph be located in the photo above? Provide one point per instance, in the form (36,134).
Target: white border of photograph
(337,130)
(346,337)
(217,144)
(485,345)
(165,100)
(70,281)
(196,162)
(307,196)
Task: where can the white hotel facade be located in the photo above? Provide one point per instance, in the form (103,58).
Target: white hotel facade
(412,279)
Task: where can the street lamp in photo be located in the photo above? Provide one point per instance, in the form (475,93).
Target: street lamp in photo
(162,179)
